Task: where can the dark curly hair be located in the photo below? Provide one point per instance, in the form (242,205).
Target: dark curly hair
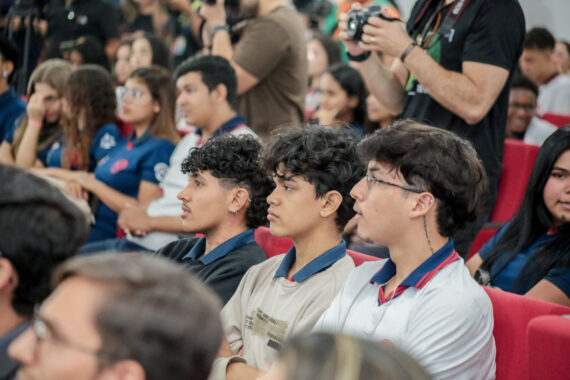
(236,161)
(437,161)
(91,97)
(326,158)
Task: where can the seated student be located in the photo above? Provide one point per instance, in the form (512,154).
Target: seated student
(207,95)
(28,144)
(313,169)
(11,106)
(130,177)
(121,317)
(149,50)
(422,185)
(342,98)
(531,254)
(522,122)
(225,201)
(39,229)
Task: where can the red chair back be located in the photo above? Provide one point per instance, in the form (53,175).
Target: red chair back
(518,160)
(557,119)
(272,245)
(548,348)
(359,258)
(512,314)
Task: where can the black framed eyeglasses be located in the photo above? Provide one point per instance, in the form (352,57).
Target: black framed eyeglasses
(370,179)
(43,331)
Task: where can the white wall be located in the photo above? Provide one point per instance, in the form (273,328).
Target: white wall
(552,14)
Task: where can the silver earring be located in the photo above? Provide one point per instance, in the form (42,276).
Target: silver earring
(5,74)
(233,212)
(411,213)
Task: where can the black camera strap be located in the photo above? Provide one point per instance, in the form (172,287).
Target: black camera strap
(434,22)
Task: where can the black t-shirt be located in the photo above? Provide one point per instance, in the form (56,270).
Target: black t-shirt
(486,31)
(96,18)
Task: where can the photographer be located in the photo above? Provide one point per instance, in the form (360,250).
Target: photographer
(270,60)
(454,70)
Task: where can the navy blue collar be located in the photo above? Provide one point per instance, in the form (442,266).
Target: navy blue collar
(318,264)
(230,245)
(419,277)
(234,123)
(136,141)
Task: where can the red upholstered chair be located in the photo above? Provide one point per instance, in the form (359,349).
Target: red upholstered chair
(512,314)
(518,160)
(272,245)
(557,119)
(548,348)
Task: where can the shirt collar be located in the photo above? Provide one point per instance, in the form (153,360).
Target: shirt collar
(136,141)
(318,264)
(229,126)
(419,277)
(230,245)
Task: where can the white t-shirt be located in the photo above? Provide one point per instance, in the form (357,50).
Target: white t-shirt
(554,96)
(538,131)
(446,322)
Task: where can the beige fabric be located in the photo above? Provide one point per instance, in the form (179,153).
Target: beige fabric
(264,310)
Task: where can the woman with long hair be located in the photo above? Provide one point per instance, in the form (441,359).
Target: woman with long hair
(149,50)
(343,98)
(89,129)
(28,145)
(531,254)
(131,175)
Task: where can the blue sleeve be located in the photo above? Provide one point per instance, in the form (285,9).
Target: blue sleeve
(106,139)
(155,164)
(488,246)
(561,278)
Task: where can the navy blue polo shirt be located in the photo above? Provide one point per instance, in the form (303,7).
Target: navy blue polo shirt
(419,277)
(134,160)
(233,244)
(107,138)
(318,264)
(231,125)
(11,107)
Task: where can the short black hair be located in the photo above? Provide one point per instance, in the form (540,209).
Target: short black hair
(521,81)
(214,70)
(539,39)
(237,160)
(9,53)
(326,158)
(437,161)
(39,229)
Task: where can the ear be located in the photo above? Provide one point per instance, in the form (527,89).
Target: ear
(220,93)
(125,370)
(352,102)
(239,199)
(8,275)
(331,201)
(8,67)
(422,205)
(156,106)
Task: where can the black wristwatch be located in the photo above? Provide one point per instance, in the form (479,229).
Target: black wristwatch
(217,28)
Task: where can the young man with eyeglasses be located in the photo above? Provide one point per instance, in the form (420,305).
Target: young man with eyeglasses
(39,229)
(522,122)
(124,317)
(422,184)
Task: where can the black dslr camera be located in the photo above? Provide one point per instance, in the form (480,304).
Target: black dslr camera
(357,20)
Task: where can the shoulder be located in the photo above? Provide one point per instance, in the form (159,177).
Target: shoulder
(247,255)
(177,249)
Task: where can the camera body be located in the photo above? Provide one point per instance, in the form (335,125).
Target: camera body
(357,20)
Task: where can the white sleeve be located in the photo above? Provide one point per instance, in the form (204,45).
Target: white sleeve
(451,335)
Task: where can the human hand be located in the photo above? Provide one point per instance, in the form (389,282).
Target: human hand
(75,190)
(182,6)
(35,108)
(214,14)
(325,116)
(387,37)
(86,180)
(135,221)
(351,45)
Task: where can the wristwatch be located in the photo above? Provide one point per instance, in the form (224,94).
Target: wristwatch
(217,28)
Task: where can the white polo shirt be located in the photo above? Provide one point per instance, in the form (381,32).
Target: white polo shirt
(439,315)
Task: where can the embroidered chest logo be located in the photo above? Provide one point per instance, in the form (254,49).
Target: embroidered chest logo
(266,327)
(119,166)
(107,141)
(160,170)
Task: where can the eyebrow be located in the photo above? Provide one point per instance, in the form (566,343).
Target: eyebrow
(561,169)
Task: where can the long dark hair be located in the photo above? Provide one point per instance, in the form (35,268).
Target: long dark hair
(533,220)
(352,83)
